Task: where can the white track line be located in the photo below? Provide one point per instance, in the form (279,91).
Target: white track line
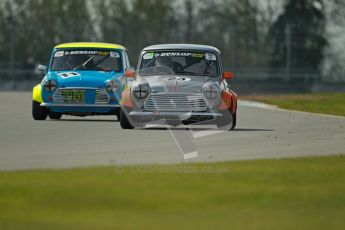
(255,104)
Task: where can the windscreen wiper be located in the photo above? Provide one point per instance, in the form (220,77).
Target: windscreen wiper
(84,64)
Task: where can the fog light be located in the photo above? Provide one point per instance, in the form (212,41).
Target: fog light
(141,91)
(112,86)
(50,86)
(211,91)
(212,94)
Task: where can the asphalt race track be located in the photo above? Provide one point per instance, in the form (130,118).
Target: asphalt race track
(262,132)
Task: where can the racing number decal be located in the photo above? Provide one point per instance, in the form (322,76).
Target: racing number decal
(68,75)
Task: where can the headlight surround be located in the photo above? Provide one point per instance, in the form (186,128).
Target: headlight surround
(212,93)
(112,86)
(141,91)
(49,85)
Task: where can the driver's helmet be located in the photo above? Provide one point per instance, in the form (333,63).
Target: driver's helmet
(164,61)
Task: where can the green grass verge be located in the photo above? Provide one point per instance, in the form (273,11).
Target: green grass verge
(301,193)
(327,103)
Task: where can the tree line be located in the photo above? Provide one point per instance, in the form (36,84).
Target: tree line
(252,34)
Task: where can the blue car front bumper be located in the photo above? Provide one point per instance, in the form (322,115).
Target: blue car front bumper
(82,108)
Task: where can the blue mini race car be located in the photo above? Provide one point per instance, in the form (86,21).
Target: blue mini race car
(82,79)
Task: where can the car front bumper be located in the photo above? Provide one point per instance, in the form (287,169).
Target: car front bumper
(99,109)
(177,115)
(51,105)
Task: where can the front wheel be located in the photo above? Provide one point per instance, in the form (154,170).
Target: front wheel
(124,122)
(234,120)
(54,115)
(117,114)
(38,112)
(227,121)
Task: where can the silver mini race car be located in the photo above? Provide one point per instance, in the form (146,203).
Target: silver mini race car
(179,84)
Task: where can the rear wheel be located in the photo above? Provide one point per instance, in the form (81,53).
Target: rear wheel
(39,112)
(54,115)
(124,122)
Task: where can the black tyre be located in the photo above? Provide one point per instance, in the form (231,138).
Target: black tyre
(117,113)
(124,122)
(227,121)
(38,112)
(55,116)
(234,120)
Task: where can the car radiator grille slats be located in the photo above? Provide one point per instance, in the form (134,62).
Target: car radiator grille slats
(102,97)
(175,102)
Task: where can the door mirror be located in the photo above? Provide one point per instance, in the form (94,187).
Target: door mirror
(228,75)
(42,68)
(130,73)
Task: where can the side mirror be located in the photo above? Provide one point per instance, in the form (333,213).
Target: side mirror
(228,75)
(130,73)
(42,68)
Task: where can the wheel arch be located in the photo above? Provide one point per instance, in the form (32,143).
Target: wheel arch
(233,101)
(126,98)
(37,93)
(228,101)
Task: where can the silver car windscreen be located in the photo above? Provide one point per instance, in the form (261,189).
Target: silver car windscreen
(179,62)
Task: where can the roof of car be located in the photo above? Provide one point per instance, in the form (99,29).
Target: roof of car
(182,47)
(89,45)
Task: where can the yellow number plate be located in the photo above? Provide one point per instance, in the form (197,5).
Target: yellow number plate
(75,96)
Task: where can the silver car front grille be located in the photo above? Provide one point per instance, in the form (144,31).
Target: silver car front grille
(178,102)
(78,96)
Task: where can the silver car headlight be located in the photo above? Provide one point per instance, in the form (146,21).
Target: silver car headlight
(49,86)
(212,93)
(112,86)
(141,91)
